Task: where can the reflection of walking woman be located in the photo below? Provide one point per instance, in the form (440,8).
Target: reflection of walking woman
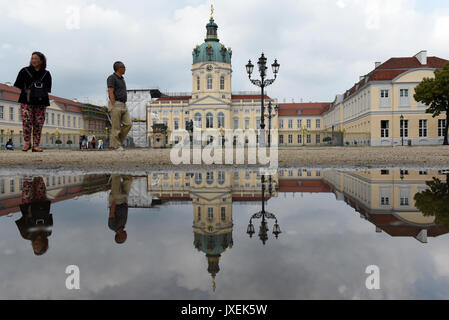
(36,221)
(35,83)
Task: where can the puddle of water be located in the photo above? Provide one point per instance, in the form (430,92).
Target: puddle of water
(297,234)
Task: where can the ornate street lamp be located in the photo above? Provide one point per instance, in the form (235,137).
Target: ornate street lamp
(263,230)
(262,83)
(402,129)
(270,115)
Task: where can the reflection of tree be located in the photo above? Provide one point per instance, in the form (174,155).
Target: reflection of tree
(435,201)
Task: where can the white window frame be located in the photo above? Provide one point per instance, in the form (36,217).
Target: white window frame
(385,98)
(236,123)
(385,132)
(423,125)
(404,97)
(403,131)
(210,82)
(441,127)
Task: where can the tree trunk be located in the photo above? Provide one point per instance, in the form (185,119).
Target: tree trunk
(446,142)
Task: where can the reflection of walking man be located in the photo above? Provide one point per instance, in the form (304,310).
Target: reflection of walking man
(118,205)
(121,121)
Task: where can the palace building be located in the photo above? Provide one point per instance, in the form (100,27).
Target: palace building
(65,120)
(211,103)
(380,110)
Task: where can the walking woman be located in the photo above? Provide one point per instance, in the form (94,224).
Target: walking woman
(35,83)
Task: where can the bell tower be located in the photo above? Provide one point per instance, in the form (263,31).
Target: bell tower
(211,67)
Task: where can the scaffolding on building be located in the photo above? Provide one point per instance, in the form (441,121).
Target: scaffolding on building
(138,100)
(138,195)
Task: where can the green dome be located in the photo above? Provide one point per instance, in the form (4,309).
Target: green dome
(211,49)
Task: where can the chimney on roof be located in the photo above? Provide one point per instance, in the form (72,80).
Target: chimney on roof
(422,57)
(377,64)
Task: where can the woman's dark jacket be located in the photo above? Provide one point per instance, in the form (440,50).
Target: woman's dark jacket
(35,215)
(24,81)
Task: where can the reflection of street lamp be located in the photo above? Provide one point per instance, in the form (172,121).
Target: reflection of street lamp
(402,129)
(222,133)
(263,230)
(303,133)
(262,83)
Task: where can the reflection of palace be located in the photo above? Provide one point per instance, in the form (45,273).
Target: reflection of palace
(383,197)
(212,195)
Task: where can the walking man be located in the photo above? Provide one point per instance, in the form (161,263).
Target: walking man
(120,118)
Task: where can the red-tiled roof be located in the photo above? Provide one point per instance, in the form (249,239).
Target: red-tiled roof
(313,108)
(394,67)
(11,93)
(249,97)
(308,186)
(412,63)
(182,98)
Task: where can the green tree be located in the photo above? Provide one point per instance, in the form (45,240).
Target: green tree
(434,92)
(435,201)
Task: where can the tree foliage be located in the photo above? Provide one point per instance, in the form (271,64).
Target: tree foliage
(434,92)
(435,201)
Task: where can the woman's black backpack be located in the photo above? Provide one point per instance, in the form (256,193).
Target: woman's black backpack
(36,93)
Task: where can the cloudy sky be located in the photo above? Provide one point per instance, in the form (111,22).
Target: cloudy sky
(323,46)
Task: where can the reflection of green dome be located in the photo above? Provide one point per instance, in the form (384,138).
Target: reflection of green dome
(213,244)
(211,49)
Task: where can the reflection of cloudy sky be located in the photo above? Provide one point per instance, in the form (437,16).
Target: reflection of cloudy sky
(316,42)
(322,253)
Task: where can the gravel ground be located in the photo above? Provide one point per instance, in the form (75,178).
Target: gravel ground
(159,159)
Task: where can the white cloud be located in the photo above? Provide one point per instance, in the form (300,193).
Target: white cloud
(323,46)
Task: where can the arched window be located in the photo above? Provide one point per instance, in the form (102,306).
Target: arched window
(220,120)
(198,178)
(209,120)
(198,123)
(210,177)
(221,177)
(198,83)
(246,123)
(222,83)
(209,82)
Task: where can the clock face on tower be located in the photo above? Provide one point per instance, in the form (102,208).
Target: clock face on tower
(209,68)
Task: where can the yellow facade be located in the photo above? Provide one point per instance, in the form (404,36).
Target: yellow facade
(59,124)
(210,104)
(369,117)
